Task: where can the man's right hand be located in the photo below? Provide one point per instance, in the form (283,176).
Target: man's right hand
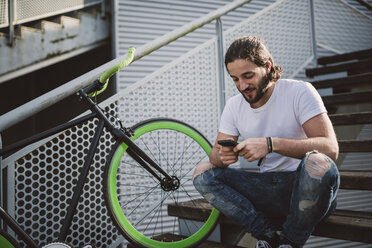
(223,156)
(227,155)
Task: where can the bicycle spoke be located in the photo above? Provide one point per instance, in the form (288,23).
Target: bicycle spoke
(149,150)
(147,195)
(150,210)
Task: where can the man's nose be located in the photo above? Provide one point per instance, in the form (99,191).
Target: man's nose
(243,84)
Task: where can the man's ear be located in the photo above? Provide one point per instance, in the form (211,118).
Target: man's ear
(268,67)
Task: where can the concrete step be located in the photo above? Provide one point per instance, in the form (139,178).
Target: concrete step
(204,244)
(45,40)
(343,224)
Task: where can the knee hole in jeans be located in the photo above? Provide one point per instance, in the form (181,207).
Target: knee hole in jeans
(200,168)
(317,165)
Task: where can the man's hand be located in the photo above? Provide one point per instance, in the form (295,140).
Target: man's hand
(227,155)
(252,148)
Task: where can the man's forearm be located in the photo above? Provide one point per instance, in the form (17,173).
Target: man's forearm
(297,148)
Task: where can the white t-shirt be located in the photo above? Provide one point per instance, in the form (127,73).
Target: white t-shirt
(291,104)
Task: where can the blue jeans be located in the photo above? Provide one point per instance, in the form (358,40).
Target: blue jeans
(255,200)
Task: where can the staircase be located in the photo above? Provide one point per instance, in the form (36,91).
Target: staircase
(349,105)
(50,40)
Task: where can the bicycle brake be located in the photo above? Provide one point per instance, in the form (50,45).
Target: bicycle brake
(128,131)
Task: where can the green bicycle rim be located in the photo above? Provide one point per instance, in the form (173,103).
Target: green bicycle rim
(5,243)
(116,208)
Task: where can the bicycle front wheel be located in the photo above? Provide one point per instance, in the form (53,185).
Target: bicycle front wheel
(7,241)
(136,200)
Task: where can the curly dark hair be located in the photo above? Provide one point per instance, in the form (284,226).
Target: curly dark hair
(254,49)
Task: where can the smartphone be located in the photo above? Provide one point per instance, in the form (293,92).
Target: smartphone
(228,142)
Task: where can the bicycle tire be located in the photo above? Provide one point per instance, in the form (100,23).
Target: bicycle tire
(179,147)
(7,241)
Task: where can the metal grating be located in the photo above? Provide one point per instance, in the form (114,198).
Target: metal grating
(346,29)
(292,30)
(26,10)
(4,21)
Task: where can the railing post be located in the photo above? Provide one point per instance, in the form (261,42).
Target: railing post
(103,9)
(1,181)
(11,21)
(313,36)
(220,63)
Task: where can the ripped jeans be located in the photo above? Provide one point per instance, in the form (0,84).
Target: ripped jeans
(254,200)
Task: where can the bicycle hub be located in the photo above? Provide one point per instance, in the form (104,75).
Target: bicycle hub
(170,184)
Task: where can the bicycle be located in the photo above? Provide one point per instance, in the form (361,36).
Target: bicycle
(162,150)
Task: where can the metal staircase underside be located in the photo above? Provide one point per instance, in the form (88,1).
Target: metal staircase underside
(41,43)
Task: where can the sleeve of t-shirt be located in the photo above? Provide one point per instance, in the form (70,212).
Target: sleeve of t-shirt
(309,103)
(227,123)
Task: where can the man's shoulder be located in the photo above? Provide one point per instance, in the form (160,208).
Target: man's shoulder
(237,99)
(292,85)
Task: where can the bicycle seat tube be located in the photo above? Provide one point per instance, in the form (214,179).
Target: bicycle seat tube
(133,150)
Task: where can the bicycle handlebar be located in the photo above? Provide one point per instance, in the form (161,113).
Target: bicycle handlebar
(104,79)
(111,71)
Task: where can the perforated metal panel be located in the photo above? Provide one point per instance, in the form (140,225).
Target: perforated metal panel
(4,13)
(285,26)
(186,89)
(28,10)
(44,182)
(341,27)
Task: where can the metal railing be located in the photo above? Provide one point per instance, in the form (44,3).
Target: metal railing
(31,108)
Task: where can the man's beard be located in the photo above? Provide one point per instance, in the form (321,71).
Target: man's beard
(260,92)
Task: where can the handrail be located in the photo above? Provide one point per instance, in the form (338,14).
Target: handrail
(28,109)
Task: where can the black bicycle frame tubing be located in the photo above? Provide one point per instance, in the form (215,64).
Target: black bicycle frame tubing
(136,157)
(80,184)
(133,147)
(122,136)
(17,229)
(46,133)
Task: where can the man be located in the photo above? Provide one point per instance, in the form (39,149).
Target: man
(279,122)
